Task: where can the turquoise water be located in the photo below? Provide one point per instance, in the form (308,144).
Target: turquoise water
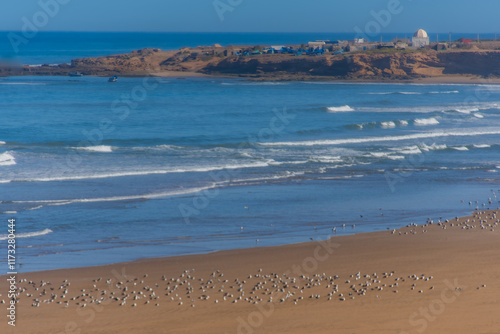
(98,173)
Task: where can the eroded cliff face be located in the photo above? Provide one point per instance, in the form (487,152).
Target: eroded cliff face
(397,65)
(355,66)
(391,65)
(141,61)
(482,63)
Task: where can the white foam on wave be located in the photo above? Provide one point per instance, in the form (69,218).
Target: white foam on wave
(462,133)
(163,146)
(460,148)
(120,198)
(7,159)
(325,159)
(28,234)
(407,150)
(387,125)
(2,142)
(416,109)
(340,109)
(384,125)
(387,155)
(291,162)
(143,173)
(426,109)
(478,115)
(23,83)
(391,93)
(466,111)
(425,121)
(344,177)
(469,109)
(379,154)
(433,147)
(482,146)
(445,92)
(98,148)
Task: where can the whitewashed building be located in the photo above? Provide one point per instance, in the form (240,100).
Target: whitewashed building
(420,39)
(316,44)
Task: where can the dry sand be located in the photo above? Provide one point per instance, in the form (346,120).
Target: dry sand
(433,278)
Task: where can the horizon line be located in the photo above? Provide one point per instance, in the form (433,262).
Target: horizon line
(232,32)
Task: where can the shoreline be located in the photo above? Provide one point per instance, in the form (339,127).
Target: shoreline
(446,268)
(450,80)
(278,242)
(452,66)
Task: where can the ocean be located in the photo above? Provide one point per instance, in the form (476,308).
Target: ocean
(61,47)
(97,173)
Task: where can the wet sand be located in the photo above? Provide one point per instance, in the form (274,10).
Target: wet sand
(431,278)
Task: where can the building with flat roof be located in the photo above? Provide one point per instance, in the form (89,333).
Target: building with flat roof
(316,44)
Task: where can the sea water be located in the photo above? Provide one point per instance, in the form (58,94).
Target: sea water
(61,47)
(97,172)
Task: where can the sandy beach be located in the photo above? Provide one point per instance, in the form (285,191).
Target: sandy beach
(440,277)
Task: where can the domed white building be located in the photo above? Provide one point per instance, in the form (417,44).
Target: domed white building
(420,39)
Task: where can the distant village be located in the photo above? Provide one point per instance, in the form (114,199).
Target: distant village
(416,57)
(419,41)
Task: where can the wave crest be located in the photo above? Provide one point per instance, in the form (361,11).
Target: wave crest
(28,234)
(339,109)
(463,133)
(7,159)
(425,121)
(98,148)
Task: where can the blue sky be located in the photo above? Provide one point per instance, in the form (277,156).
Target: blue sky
(253,15)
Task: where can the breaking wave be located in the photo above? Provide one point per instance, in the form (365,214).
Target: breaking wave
(99,148)
(7,159)
(425,121)
(28,234)
(339,109)
(383,139)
